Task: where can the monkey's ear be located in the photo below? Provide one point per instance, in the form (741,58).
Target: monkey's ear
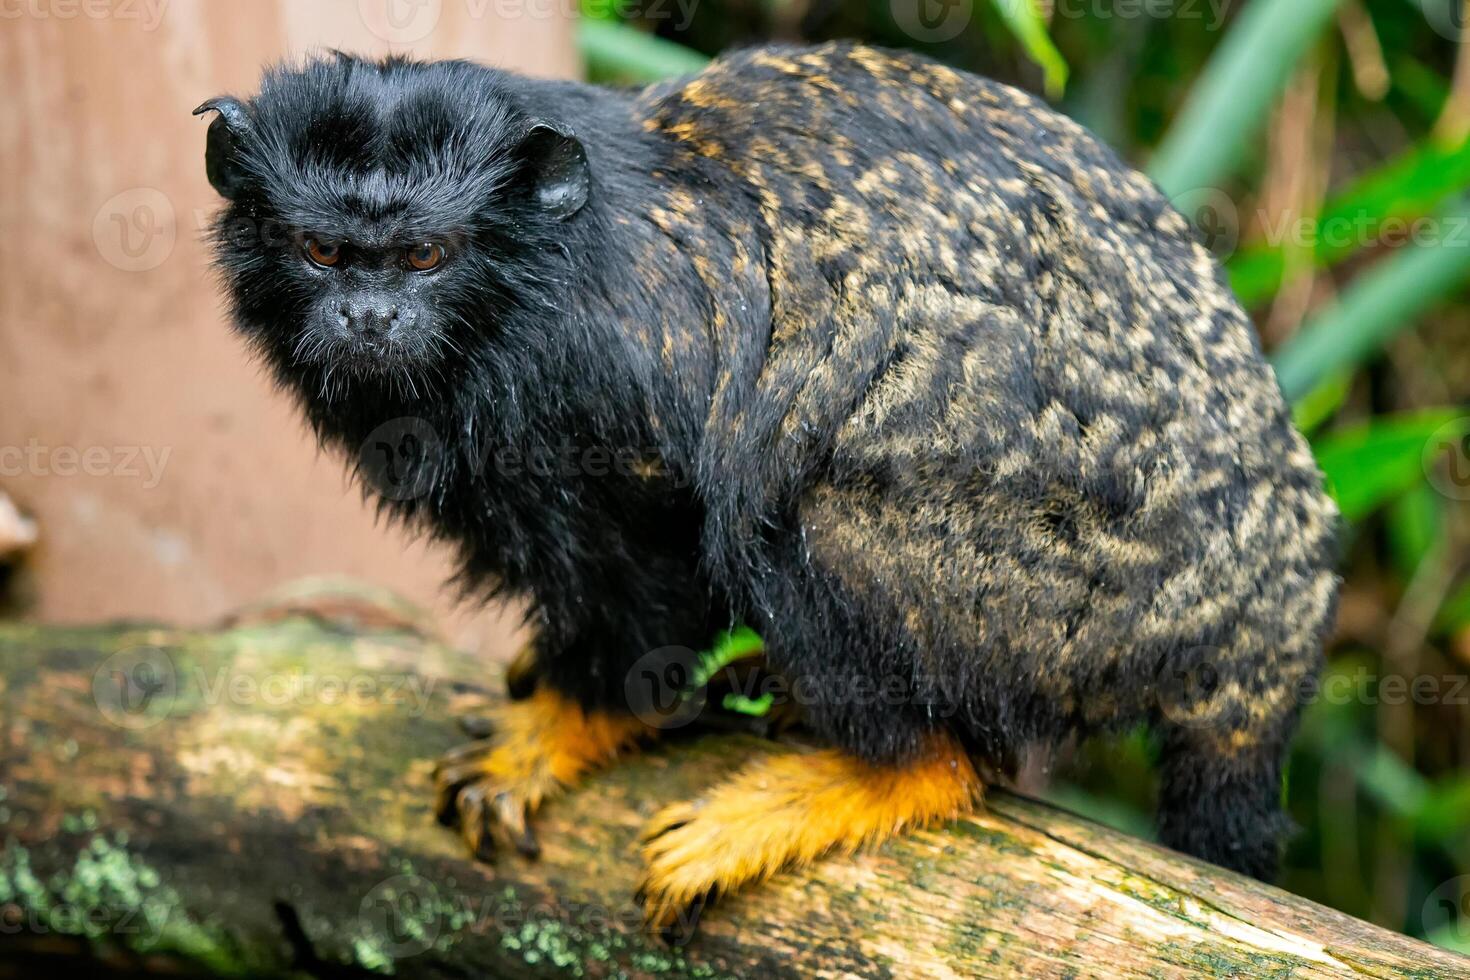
(222,146)
(556,166)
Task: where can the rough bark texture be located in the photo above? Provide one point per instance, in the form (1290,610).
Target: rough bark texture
(254,800)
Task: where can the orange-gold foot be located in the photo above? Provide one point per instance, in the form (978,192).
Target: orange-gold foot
(489,788)
(786,811)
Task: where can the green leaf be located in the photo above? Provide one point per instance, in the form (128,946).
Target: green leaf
(1415,526)
(729,647)
(1423,88)
(1367,465)
(1445,812)
(1316,407)
(755,707)
(1394,785)
(616,52)
(1454,615)
(1382,301)
(1231,99)
(1024,20)
(1378,205)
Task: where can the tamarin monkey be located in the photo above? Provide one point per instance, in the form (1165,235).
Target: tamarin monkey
(913,376)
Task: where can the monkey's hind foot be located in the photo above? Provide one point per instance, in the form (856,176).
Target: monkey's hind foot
(786,811)
(489,788)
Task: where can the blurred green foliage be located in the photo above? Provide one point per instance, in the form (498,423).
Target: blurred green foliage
(1319,145)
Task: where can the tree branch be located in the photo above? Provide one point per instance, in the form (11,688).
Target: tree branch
(255,800)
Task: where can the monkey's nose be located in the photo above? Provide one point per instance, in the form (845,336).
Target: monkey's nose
(371,321)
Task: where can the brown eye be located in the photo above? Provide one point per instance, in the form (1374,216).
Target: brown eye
(425,256)
(322,253)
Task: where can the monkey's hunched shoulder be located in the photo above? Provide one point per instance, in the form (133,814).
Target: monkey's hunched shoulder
(954,271)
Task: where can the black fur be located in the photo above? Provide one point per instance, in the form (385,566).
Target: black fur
(890,362)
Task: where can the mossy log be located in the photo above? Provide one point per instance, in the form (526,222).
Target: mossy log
(254,800)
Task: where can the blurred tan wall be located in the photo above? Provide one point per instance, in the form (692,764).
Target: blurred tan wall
(168,479)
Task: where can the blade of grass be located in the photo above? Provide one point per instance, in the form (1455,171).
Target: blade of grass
(617,52)
(1237,89)
(1420,86)
(1415,525)
(1382,301)
(1396,787)
(1024,20)
(1311,411)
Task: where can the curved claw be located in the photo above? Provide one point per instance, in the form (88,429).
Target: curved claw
(490,810)
(456,770)
(669,819)
(476,821)
(489,789)
(476,726)
(512,825)
(674,923)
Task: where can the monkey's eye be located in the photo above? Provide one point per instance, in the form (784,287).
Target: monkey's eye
(322,253)
(425,256)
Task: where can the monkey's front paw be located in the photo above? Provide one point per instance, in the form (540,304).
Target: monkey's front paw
(490,788)
(487,799)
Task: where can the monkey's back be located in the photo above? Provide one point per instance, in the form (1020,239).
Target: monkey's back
(995,389)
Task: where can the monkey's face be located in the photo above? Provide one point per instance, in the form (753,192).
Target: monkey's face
(369,302)
(382,218)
